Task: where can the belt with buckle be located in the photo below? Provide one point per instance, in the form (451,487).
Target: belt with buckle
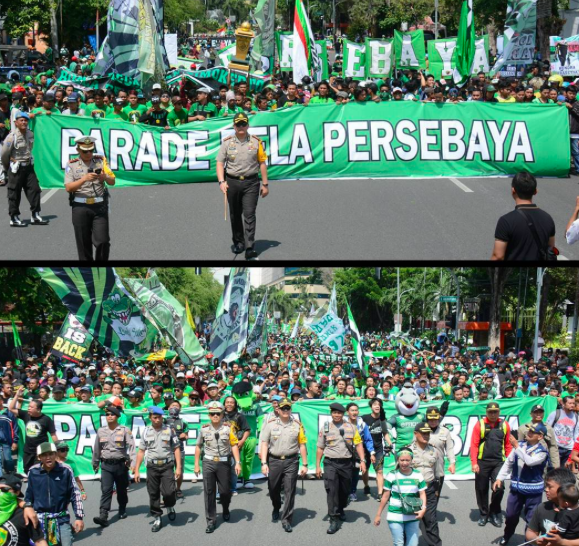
(113,461)
(89,200)
(159,462)
(283,457)
(216,459)
(245,177)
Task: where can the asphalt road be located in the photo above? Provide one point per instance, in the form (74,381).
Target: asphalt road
(251,520)
(343,219)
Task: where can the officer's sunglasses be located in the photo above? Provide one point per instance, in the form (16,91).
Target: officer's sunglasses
(242,124)
(87,151)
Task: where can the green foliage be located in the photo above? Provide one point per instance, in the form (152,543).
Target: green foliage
(21,15)
(178,12)
(392,14)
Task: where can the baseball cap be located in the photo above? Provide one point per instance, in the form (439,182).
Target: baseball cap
(58,388)
(491,88)
(240,116)
(86,388)
(212,385)
(14,481)
(45,447)
(493,406)
(156,86)
(538,428)
(215,407)
(168,395)
(22,115)
(570,369)
(537,407)
(73,97)
(113,409)
(396,90)
(119,100)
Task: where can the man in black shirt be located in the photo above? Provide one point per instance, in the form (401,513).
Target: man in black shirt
(292,98)
(514,238)
(37,427)
(155,115)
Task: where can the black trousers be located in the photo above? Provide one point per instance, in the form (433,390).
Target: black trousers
(91,227)
(161,481)
(487,476)
(25,179)
(28,460)
(338,482)
(242,196)
(111,475)
(429,523)
(283,473)
(216,474)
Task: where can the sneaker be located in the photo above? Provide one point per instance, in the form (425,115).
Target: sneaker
(353,497)
(38,220)
(179,494)
(157,524)
(248,485)
(250,254)
(171,513)
(234,493)
(16,222)
(366,490)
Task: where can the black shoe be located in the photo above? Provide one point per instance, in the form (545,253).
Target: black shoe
(496,520)
(122,515)
(275,516)
(250,254)
(210,528)
(287,527)
(171,514)
(157,524)
(333,526)
(16,222)
(366,490)
(102,521)
(503,542)
(226,515)
(37,220)
(179,494)
(483,521)
(342,516)
(238,248)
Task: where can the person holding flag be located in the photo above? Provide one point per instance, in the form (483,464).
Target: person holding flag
(465,45)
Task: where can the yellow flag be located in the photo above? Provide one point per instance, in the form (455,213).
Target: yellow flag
(189,317)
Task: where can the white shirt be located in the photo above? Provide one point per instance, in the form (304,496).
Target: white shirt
(573,233)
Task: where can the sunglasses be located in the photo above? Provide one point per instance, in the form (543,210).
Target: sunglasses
(63,450)
(242,124)
(87,151)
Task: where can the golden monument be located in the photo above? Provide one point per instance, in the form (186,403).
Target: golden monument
(243,36)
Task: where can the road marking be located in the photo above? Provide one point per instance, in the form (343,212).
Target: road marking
(563,258)
(450,484)
(46,197)
(464,188)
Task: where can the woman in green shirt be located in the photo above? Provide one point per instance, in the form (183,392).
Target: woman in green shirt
(403,481)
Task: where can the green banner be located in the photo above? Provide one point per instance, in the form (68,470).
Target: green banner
(284,43)
(219,75)
(73,341)
(77,425)
(404,139)
(379,58)
(409,49)
(442,57)
(354,64)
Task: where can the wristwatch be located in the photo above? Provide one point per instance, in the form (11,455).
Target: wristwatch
(27,505)
(222,181)
(265,185)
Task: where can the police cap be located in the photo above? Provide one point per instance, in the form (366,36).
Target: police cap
(240,117)
(433,413)
(85,143)
(493,406)
(154,410)
(423,428)
(336,406)
(215,407)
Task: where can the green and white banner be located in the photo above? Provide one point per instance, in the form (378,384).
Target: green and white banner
(215,77)
(285,43)
(409,49)
(255,339)
(72,342)
(330,331)
(379,58)
(400,139)
(354,62)
(168,315)
(442,57)
(565,55)
(77,424)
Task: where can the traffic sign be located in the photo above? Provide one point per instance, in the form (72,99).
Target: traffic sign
(447,299)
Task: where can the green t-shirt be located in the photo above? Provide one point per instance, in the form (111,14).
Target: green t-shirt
(537,101)
(94,111)
(121,115)
(133,114)
(404,427)
(208,110)
(409,486)
(229,111)
(321,100)
(174,119)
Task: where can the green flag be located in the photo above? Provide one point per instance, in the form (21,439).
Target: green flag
(169,316)
(409,49)
(255,337)
(73,341)
(263,44)
(18,354)
(465,44)
(441,57)
(355,336)
(97,298)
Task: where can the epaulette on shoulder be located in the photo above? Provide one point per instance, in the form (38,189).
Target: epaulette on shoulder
(98,156)
(227,138)
(74,160)
(205,426)
(256,138)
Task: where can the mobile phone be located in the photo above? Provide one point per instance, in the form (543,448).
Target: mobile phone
(98,171)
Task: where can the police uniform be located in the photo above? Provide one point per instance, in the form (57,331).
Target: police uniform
(159,447)
(283,443)
(114,451)
(429,461)
(338,450)
(441,440)
(242,161)
(216,444)
(18,164)
(90,208)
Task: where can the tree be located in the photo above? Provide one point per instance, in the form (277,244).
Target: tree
(178,12)
(498,277)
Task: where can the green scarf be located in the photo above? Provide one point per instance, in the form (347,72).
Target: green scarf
(8,503)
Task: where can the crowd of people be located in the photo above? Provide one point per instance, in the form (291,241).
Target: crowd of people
(541,454)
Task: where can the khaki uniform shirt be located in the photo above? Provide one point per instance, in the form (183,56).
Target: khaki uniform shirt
(159,444)
(427,461)
(114,444)
(334,444)
(242,158)
(549,442)
(214,447)
(76,169)
(17,147)
(284,439)
(442,441)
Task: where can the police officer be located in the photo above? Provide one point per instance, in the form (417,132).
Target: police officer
(114,452)
(336,443)
(240,159)
(85,180)
(283,440)
(441,440)
(161,446)
(430,462)
(180,428)
(219,442)
(18,164)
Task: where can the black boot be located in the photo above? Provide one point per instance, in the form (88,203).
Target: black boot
(102,520)
(333,526)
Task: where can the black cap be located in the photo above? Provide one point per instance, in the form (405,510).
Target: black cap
(113,409)
(537,407)
(423,428)
(493,406)
(240,116)
(336,406)
(433,413)
(58,388)
(14,481)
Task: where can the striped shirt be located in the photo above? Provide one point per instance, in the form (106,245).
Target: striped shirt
(409,486)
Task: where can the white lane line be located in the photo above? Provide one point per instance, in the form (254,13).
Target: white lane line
(563,258)
(464,188)
(450,484)
(46,197)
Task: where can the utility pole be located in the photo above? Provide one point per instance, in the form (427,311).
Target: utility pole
(436,19)
(517,338)
(575,315)
(536,349)
(397,325)
(457,329)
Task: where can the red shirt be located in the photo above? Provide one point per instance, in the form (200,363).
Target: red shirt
(475,440)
